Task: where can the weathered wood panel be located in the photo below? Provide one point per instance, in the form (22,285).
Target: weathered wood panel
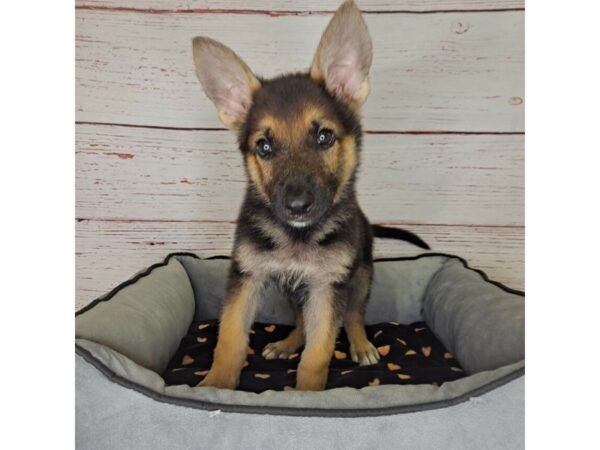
(150,174)
(110,252)
(451,71)
(149,192)
(306,5)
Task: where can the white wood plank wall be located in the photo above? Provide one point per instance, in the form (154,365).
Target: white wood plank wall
(156,172)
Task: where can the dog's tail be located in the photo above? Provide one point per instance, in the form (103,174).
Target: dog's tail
(400,234)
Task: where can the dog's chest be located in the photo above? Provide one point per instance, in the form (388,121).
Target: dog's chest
(294,265)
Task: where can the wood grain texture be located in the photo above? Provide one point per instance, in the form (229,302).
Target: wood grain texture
(451,71)
(148,174)
(306,5)
(143,193)
(110,252)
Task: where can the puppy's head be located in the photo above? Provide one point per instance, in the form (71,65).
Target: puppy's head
(300,133)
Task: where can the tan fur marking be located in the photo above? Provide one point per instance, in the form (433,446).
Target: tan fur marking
(254,138)
(254,83)
(321,333)
(281,131)
(355,329)
(313,113)
(231,350)
(332,158)
(312,373)
(289,345)
(360,347)
(349,162)
(295,339)
(315,71)
(257,174)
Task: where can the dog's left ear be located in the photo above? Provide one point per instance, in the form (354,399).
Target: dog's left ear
(344,56)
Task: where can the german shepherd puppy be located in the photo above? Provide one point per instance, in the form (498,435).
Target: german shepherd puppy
(300,225)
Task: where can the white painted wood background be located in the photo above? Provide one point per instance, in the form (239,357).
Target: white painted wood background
(156,171)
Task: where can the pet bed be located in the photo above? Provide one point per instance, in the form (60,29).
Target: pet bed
(451,373)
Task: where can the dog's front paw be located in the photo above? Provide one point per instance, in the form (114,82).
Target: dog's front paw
(280,349)
(218,379)
(364,353)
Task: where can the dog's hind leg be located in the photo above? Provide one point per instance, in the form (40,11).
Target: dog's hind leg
(286,347)
(361,349)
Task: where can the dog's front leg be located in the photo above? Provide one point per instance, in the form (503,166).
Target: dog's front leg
(321,329)
(232,344)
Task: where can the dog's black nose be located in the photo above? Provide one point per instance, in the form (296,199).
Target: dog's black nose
(298,199)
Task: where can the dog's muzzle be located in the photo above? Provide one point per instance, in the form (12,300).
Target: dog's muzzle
(301,203)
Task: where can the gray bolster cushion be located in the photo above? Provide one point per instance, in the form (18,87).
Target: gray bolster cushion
(483,325)
(146,320)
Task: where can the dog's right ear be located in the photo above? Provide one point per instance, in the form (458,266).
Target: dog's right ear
(226,80)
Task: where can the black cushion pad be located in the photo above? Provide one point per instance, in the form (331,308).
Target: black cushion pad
(410,354)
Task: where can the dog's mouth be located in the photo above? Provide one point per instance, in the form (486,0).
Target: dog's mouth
(304,220)
(300,223)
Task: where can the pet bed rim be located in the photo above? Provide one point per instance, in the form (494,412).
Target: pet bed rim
(165,261)
(291,411)
(295,411)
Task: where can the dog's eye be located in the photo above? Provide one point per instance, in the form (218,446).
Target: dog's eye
(325,138)
(264,148)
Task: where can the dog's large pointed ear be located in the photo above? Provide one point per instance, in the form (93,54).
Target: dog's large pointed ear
(344,56)
(226,80)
